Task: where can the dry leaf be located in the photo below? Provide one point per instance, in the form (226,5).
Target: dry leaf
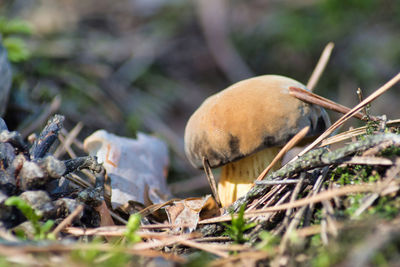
(187,212)
(105,216)
(137,167)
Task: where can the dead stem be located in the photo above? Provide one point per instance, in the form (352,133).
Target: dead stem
(320,67)
(66,143)
(326,195)
(315,99)
(68,220)
(289,145)
(351,113)
(211,181)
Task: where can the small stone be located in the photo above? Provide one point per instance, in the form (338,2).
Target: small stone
(32,176)
(41,202)
(27,228)
(14,138)
(6,155)
(7,183)
(54,167)
(16,165)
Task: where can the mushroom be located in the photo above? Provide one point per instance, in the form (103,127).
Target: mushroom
(243,127)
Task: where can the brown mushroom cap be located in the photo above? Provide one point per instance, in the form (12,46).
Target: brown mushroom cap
(246,117)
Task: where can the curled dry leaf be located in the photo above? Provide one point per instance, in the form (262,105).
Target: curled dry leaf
(188,211)
(137,167)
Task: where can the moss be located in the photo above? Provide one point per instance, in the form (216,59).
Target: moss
(385,207)
(354,174)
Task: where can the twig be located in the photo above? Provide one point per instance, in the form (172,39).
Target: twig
(60,248)
(162,238)
(153,208)
(351,113)
(211,180)
(368,161)
(316,188)
(204,247)
(87,162)
(63,147)
(352,133)
(317,158)
(376,149)
(326,195)
(289,145)
(277,182)
(330,219)
(324,234)
(69,139)
(312,98)
(118,229)
(47,137)
(274,191)
(279,202)
(361,98)
(213,239)
(314,229)
(267,217)
(78,143)
(320,67)
(293,224)
(77,180)
(68,220)
(293,198)
(366,203)
(168,241)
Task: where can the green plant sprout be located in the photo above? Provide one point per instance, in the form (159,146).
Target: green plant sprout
(238,227)
(131,228)
(41,231)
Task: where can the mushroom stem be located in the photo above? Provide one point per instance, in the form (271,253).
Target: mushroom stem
(238,177)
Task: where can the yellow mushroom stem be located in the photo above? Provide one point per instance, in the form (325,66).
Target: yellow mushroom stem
(238,177)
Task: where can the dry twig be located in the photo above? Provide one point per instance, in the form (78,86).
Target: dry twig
(68,220)
(320,67)
(352,112)
(289,145)
(312,98)
(66,143)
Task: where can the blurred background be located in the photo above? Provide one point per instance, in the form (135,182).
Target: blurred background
(146,65)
